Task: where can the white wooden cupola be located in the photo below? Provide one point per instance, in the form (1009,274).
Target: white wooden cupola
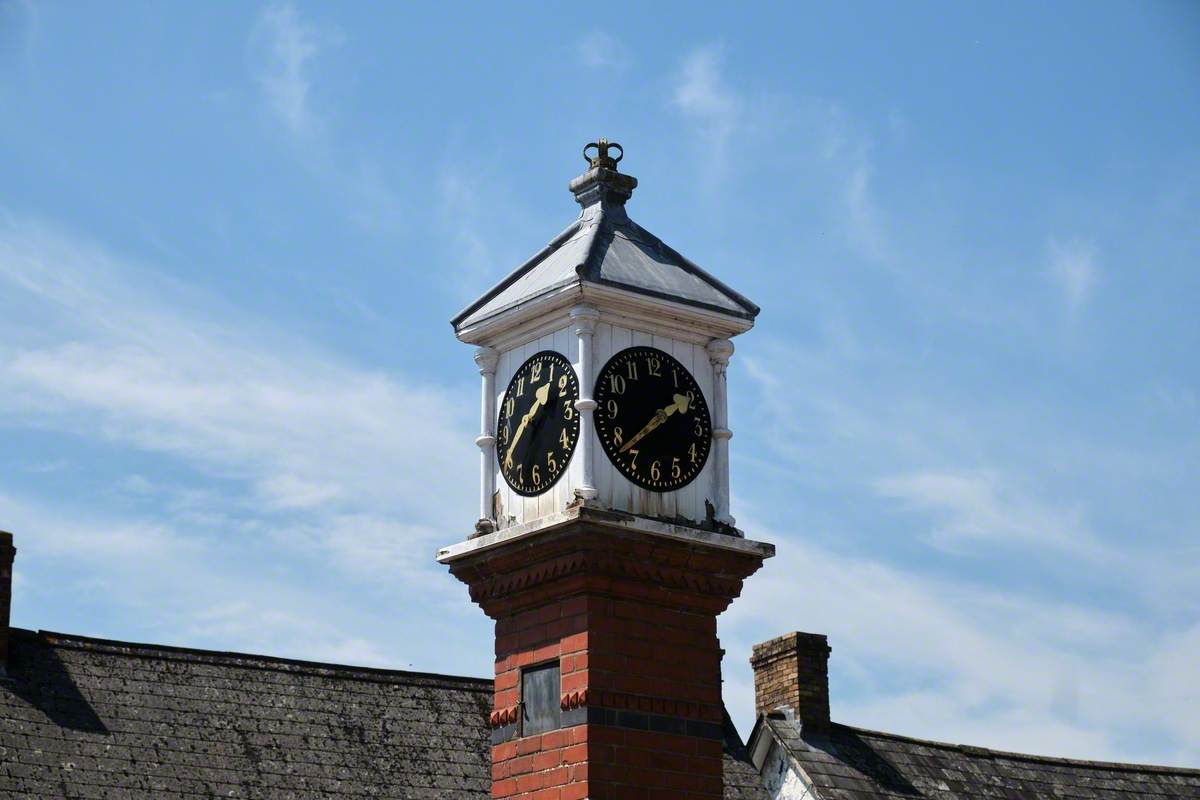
(604,284)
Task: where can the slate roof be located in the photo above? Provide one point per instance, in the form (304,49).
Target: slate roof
(848,763)
(605,247)
(91,718)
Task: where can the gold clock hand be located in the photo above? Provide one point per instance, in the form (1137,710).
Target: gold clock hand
(660,416)
(540,397)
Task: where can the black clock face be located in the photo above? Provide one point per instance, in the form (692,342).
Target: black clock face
(652,419)
(538,425)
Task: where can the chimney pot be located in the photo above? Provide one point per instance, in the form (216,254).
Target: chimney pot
(792,671)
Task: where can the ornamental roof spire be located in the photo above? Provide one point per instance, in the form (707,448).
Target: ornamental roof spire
(602,258)
(602,183)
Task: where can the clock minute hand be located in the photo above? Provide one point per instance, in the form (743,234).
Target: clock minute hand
(540,397)
(660,416)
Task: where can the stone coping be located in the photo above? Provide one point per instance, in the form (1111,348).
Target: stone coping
(612,520)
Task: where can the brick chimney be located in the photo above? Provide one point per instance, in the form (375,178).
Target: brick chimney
(608,666)
(7,554)
(792,671)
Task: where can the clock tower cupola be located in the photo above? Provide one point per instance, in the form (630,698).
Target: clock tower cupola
(604,546)
(642,325)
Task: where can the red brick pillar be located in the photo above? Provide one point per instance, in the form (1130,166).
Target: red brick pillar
(627,610)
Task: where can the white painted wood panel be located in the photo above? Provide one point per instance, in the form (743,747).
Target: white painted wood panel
(705,490)
(614,490)
(563,341)
(602,350)
(504,372)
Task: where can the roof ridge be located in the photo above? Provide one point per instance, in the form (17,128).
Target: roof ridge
(246,660)
(990,752)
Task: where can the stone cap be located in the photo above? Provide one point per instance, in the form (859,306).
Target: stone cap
(608,519)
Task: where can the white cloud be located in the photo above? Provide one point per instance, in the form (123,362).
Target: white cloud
(323,524)
(701,93)
(861,213)
(978,507)
(284,46)
(291,44)
(1073,269)
(486,238)
(954,661)
(293,427)
(599,50)
(802,133)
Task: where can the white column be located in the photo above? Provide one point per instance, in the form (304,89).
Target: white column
(585,323)
(719,351)
(486,358)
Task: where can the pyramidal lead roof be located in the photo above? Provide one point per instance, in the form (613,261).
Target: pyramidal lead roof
(604,247)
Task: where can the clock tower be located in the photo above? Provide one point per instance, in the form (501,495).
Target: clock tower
(605,547)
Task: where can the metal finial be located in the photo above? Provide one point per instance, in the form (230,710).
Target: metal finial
(602,158)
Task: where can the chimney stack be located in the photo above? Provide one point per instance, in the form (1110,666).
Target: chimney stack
(792,671)
(7,554)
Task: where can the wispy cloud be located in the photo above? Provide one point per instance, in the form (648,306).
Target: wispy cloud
(1073,270)
(601,51)
(324,464)
(485,238)
(861,211)
(810,135)
(290,44)
(701,93)
(977,506)
(964,663)
(285,47)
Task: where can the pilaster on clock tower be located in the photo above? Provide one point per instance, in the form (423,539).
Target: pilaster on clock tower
(605,547)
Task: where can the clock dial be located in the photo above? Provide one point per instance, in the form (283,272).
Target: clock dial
(538,425)
(652,419)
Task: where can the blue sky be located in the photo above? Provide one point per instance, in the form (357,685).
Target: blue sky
(233,414)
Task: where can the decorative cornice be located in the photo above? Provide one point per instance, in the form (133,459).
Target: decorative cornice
(609,565)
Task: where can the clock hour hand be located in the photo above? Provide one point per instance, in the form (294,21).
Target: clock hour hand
(539,399)
(660,416)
